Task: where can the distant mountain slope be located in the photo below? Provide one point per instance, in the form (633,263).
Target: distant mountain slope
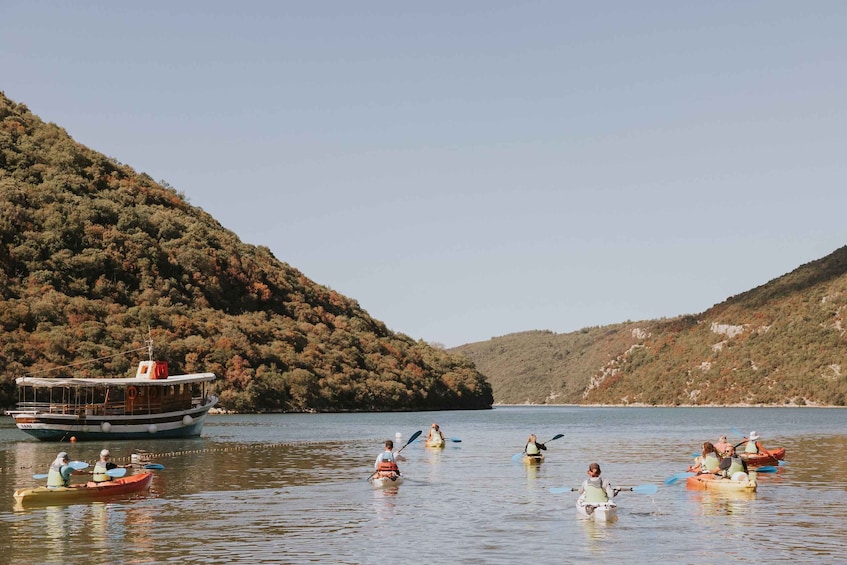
(782,343)
(93,254)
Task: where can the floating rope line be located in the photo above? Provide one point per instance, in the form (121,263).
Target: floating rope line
(146,457)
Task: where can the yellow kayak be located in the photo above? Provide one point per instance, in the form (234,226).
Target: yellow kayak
(533,459)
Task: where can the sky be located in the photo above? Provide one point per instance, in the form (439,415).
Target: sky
(467,170)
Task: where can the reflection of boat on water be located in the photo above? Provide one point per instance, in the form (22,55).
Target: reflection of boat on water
(152,404)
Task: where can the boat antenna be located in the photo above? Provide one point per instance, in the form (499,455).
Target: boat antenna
(149,342)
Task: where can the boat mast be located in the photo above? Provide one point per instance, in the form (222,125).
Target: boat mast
(149,343)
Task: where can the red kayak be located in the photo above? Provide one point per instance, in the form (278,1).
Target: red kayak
(83,492)
(754,460)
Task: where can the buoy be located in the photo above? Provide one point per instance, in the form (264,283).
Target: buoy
(106,426)
(73,439)
(152,428)
(187,420)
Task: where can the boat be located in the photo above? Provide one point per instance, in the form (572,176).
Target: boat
(152,404)
(533,459)
(435,443)
(741,482)
(600,512)
(762,460)
(83,491)
(387,481)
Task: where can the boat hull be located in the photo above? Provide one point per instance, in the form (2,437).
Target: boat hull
(601,513)
(384,482)
(61,427)
(83,492)
(714,482)
(762,460)
(533,460)
(435,444)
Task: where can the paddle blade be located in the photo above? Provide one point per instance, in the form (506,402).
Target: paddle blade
(765,469)
(78,465)
(116,473)
(645,489)
(557,436)
(678,477)
(517,457)
(557,490)
(455,440)
(155,466)
(782,463)
(413,437)
(40,476)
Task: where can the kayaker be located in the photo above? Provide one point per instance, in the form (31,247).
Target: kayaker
(104,464)
(60,471)
(534,447)
(386,462)
(732,463)
(722,446)
(435,435)
(708,461)
(596,489)
(754,446)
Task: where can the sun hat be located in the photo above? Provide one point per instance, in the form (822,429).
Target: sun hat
(104,453)
(754,436)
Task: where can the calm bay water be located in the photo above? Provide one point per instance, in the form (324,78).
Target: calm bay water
(292,488)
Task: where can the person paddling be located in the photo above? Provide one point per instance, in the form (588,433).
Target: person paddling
(386,462)
(596,489)
(754,446)
(534,447)
(104,464)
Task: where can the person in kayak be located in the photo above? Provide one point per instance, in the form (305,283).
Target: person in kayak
(754,446)
(435,436)
(386,462)
(596,489)
(732,464)
(534,447)
(60,471)
(104,464)
(708,461)
(722,446)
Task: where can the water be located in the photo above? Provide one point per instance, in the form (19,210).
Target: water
(293,489)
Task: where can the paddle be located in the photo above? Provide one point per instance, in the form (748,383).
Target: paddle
(114,473)
(678,477)
(75,465)
(413,437)
(454,440)
(640,489)
(765,469)
(517,456)
(155,466)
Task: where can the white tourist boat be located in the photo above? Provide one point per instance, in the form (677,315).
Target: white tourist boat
(152,404)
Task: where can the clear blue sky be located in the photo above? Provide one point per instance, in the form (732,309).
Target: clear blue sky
(471,169)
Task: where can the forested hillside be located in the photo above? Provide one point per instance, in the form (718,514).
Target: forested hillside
(94,254)
(782,343)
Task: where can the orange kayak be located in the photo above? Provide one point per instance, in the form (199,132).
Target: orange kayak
(715,482)
(83,492)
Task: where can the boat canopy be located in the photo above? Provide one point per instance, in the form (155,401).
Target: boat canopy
(47,382)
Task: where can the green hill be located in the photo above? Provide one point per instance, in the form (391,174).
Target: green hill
(782,343)
(93,254)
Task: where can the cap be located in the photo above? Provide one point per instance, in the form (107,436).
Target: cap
(104,453)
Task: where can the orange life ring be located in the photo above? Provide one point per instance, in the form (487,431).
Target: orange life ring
(131,392)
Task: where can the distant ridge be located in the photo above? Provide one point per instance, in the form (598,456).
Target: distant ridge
(780,344)
(93,254)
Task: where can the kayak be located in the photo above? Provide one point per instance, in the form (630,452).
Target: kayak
(762,460)
(533,460)
(599,512)
(436,443)
(83,491)
(740,482)
(383,482)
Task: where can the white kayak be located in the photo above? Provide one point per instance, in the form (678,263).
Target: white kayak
(599,512)
(392,481)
